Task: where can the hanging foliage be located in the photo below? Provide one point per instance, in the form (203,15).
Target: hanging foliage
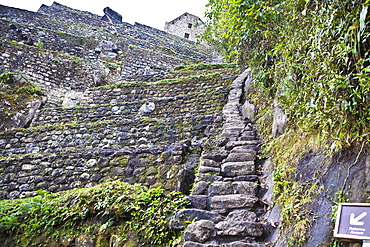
(315,54)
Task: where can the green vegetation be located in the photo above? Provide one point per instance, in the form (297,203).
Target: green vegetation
(40,45)
(15,93)
(137,215)
(28,90)
(313,57)
(75,59)
(12,83)
(206,66)
(7,77)
(313,54)
(164,81)
(56,60)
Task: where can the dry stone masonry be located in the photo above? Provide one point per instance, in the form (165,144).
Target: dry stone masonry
(120,103)
(187,26)
(226,208)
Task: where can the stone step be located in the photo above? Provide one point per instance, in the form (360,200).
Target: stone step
(217,157)
(192,214)
(237,201)
(230,108)
(235,169)
(209,170)
(249,132)
(241,157)
(247,135)
(248,144)
(199,231)
(239,228)
(231,132)
(232,117)
(231,124)
(233,244)
(227,188)
(242,149)
(208,177)
(234,95)
(242,215)
(250,178)
(246,138)
(209,162)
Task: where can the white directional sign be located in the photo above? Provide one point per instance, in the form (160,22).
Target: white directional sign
(353,221)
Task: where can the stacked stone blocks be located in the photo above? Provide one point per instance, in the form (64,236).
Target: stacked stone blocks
(226,207)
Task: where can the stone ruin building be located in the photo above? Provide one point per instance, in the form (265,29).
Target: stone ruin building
(118,102)
(187,26)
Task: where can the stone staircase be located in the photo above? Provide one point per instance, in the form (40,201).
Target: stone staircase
(196,135)
(226,209)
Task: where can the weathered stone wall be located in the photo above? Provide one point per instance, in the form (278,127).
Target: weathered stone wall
(146,151)
(146,123)
(122,133)
(205,104)
(107,137)
(186,26)
(60,51)
(77,33)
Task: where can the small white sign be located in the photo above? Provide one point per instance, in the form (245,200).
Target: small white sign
(353,221)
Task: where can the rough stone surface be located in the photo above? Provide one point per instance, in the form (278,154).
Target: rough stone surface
(232,201)
(200,231)
(240,157)
(187,25)
(200,188)
(242,215)
(195,244)
(138,126)
(239,228)
(72,98)
(280,120)
(196,214)
(249,111)
(234,169)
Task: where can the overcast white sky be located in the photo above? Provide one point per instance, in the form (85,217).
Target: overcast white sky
(153,13)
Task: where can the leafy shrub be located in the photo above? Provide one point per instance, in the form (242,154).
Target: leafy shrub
(124,209)
(313,57)
(313,54)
